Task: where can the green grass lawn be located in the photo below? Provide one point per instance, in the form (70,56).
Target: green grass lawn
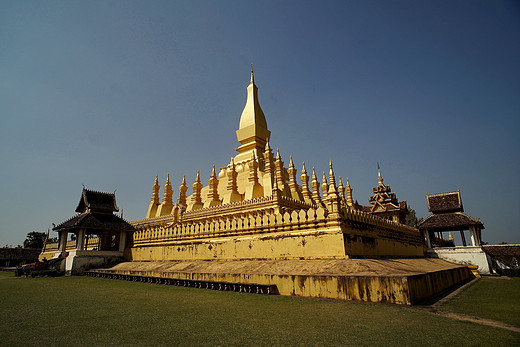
(492,298)
(94,311)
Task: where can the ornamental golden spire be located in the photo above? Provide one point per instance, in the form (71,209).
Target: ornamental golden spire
(232,194)
(182,192)
(341,192)
(213,198)
(293,185)
(350,201)
(156,187)
(315,185)
(280,181)
(168,191)
(196,199)
(324,188)
(268,159)
(254,189)
(269,169)
(333,197)
(166,206)
(154,204)
(332,181)
(252,131)
(307,197)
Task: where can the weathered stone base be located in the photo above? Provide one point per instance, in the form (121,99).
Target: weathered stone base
(471,255)
(400,281)
(77,262)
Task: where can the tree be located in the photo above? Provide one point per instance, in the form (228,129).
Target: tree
(34,240)
(411,219)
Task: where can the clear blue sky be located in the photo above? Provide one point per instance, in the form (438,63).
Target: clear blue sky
(110,93)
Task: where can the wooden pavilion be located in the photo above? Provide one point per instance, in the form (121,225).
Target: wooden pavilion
(96,218)
(447,216)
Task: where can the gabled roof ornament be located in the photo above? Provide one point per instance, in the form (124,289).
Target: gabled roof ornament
(379,177)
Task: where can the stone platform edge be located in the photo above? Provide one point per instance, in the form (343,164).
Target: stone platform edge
(399,281)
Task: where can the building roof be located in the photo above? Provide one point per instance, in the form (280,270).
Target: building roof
(96,214)
(502,250)
(445,202)
(451,221)
(97,201)
(94,222)
(383,201)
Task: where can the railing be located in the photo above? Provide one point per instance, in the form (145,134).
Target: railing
(253,288)
(262,221)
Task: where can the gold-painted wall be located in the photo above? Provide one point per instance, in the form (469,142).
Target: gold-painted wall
(284,245)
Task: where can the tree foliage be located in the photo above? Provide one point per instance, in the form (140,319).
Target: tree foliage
(34,240)
(411,218)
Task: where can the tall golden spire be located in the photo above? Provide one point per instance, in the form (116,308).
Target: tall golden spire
(252,132)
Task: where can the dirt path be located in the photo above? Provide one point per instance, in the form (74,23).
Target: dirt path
(478,320)
(434,308)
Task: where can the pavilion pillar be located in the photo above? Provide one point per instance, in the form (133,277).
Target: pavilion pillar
(122,241)
(80,244)
(427,237)
(475,240)
(62,247)
(463,238)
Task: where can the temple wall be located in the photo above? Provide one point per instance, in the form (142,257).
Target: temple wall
(305,234)
(282,245)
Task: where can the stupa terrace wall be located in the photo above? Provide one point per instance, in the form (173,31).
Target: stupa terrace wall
(267,234)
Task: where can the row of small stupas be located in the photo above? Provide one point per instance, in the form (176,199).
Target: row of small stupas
(383,202)
(255,172)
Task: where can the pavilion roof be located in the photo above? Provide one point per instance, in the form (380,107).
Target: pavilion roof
(95,221)
(445,202)
(97,201)
(451,221)
(502,250)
